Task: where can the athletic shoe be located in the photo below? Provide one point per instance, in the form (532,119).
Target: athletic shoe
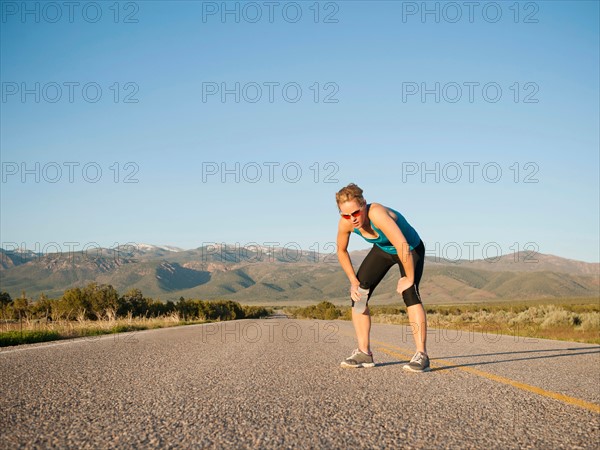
(358,359)
(418,363)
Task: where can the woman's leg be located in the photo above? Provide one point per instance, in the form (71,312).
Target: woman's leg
(362,327)
(418,322)
(371,272)
(412,298)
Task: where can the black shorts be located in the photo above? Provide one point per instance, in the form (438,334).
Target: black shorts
(376,265)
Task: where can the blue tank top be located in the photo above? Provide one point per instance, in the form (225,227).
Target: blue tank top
(384,243)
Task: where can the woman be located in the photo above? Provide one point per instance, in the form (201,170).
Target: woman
(394,242)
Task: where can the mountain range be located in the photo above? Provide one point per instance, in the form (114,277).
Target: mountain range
(270,275)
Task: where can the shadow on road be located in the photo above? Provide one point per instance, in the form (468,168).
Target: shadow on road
(390,363)
(575,352)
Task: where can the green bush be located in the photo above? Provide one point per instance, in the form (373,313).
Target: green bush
(256,312)
(324,311)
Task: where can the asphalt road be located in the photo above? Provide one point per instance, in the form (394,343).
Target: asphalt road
(277,383)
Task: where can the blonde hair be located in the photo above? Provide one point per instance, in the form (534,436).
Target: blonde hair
(349,193)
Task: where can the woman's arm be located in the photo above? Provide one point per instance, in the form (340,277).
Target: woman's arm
(343,237)
(381,218)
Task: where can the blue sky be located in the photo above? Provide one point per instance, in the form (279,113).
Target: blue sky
(505,158)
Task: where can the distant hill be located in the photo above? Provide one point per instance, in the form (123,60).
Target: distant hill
(517,262)
(269,275)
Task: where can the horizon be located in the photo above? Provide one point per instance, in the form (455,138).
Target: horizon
(233,247)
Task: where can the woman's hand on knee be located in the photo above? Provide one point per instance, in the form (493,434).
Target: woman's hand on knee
(403,284)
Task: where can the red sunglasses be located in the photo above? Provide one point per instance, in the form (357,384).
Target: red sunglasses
(352,214)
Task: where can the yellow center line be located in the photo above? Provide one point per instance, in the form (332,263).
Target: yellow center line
(500,379)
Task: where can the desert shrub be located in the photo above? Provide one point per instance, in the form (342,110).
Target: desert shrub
(256,312)
(324,311)
(590,321)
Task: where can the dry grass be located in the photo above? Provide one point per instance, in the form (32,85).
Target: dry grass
(28,331)
(578,323)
